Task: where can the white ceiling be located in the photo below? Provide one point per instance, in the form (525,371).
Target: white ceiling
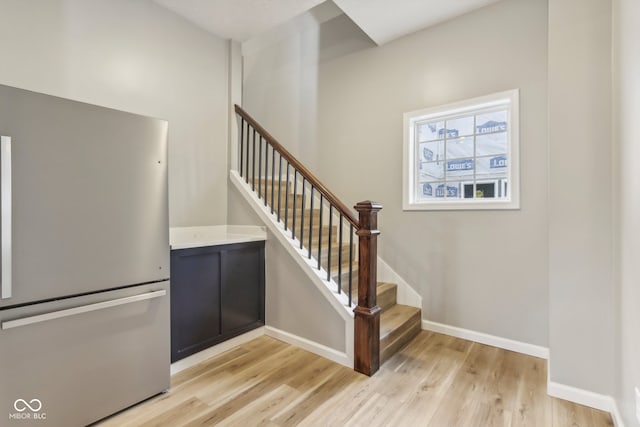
(385,20)
(238,19)
(382,20)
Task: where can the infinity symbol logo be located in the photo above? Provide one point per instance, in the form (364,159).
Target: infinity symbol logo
(21,405)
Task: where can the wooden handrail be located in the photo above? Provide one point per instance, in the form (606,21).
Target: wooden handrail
(306,173)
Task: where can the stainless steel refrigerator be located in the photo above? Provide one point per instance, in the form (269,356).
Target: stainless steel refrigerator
(84,300)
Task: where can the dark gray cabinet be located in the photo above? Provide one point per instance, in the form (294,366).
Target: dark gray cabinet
(217,292)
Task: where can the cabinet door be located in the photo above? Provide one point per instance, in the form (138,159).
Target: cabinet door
(242,290)
(195,300)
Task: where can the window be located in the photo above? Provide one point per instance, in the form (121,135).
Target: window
(463,155)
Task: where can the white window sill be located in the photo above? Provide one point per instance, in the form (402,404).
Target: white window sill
(459,206)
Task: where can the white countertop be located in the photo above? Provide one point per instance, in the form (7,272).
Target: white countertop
(195,237)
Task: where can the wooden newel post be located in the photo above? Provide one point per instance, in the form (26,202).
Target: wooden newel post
(367,313)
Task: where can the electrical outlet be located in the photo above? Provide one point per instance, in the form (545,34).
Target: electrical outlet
(638,403)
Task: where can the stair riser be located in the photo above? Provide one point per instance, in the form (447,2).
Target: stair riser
(315,226)
(407,328)
(335,260)
(316,216)
(284,201)
(388,298)
(335,252)
(282,183)
(389,350)
(307,218)
(345,275)
(315,239)
(307,214)
(334,268)
(401,335)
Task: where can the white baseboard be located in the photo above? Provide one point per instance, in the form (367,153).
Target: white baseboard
(210,352)
(313,347)
(482,338)
(586,398)
(616,416)
(406,294)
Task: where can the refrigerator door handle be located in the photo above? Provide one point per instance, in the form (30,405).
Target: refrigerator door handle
(5,221)
(82,309)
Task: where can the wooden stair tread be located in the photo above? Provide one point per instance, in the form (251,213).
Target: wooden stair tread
(386,285)
(395,317)
(344,270)
(345,274)
(334,244)
(315,228)
(380,289)
(398,325)
(306,211)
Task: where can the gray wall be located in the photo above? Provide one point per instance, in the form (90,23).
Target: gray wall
(626,19)
(581,298)
(485,271)
(281,75)
(293,304)
(138,57)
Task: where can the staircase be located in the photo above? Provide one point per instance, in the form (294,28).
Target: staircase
(398,323)
(325,232)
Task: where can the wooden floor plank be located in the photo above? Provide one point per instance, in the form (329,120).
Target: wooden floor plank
(228,398)
(532,403)
(177,415)
(259,412)
(435,380)
(461,399)
(439,369)
(207,365)
(327,389)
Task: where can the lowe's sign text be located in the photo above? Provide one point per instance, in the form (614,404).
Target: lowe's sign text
(460,165)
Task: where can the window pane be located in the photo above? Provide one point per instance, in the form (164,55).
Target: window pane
(485,190)
(448,190)
(460,147)
(431,151)
(493,143)
(495,121)
(467,191)
(503,188)
(431,171)
(493,167)
(427,190)
(458,127)
(460,169)
(429,131)
(453,190)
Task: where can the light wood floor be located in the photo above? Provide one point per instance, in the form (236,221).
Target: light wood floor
(436,380)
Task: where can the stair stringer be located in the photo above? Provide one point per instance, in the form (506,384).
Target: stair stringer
(338,301)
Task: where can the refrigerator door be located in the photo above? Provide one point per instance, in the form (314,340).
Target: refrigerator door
(89,197)
(75,361)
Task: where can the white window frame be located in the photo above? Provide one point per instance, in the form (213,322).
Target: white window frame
(410,199)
